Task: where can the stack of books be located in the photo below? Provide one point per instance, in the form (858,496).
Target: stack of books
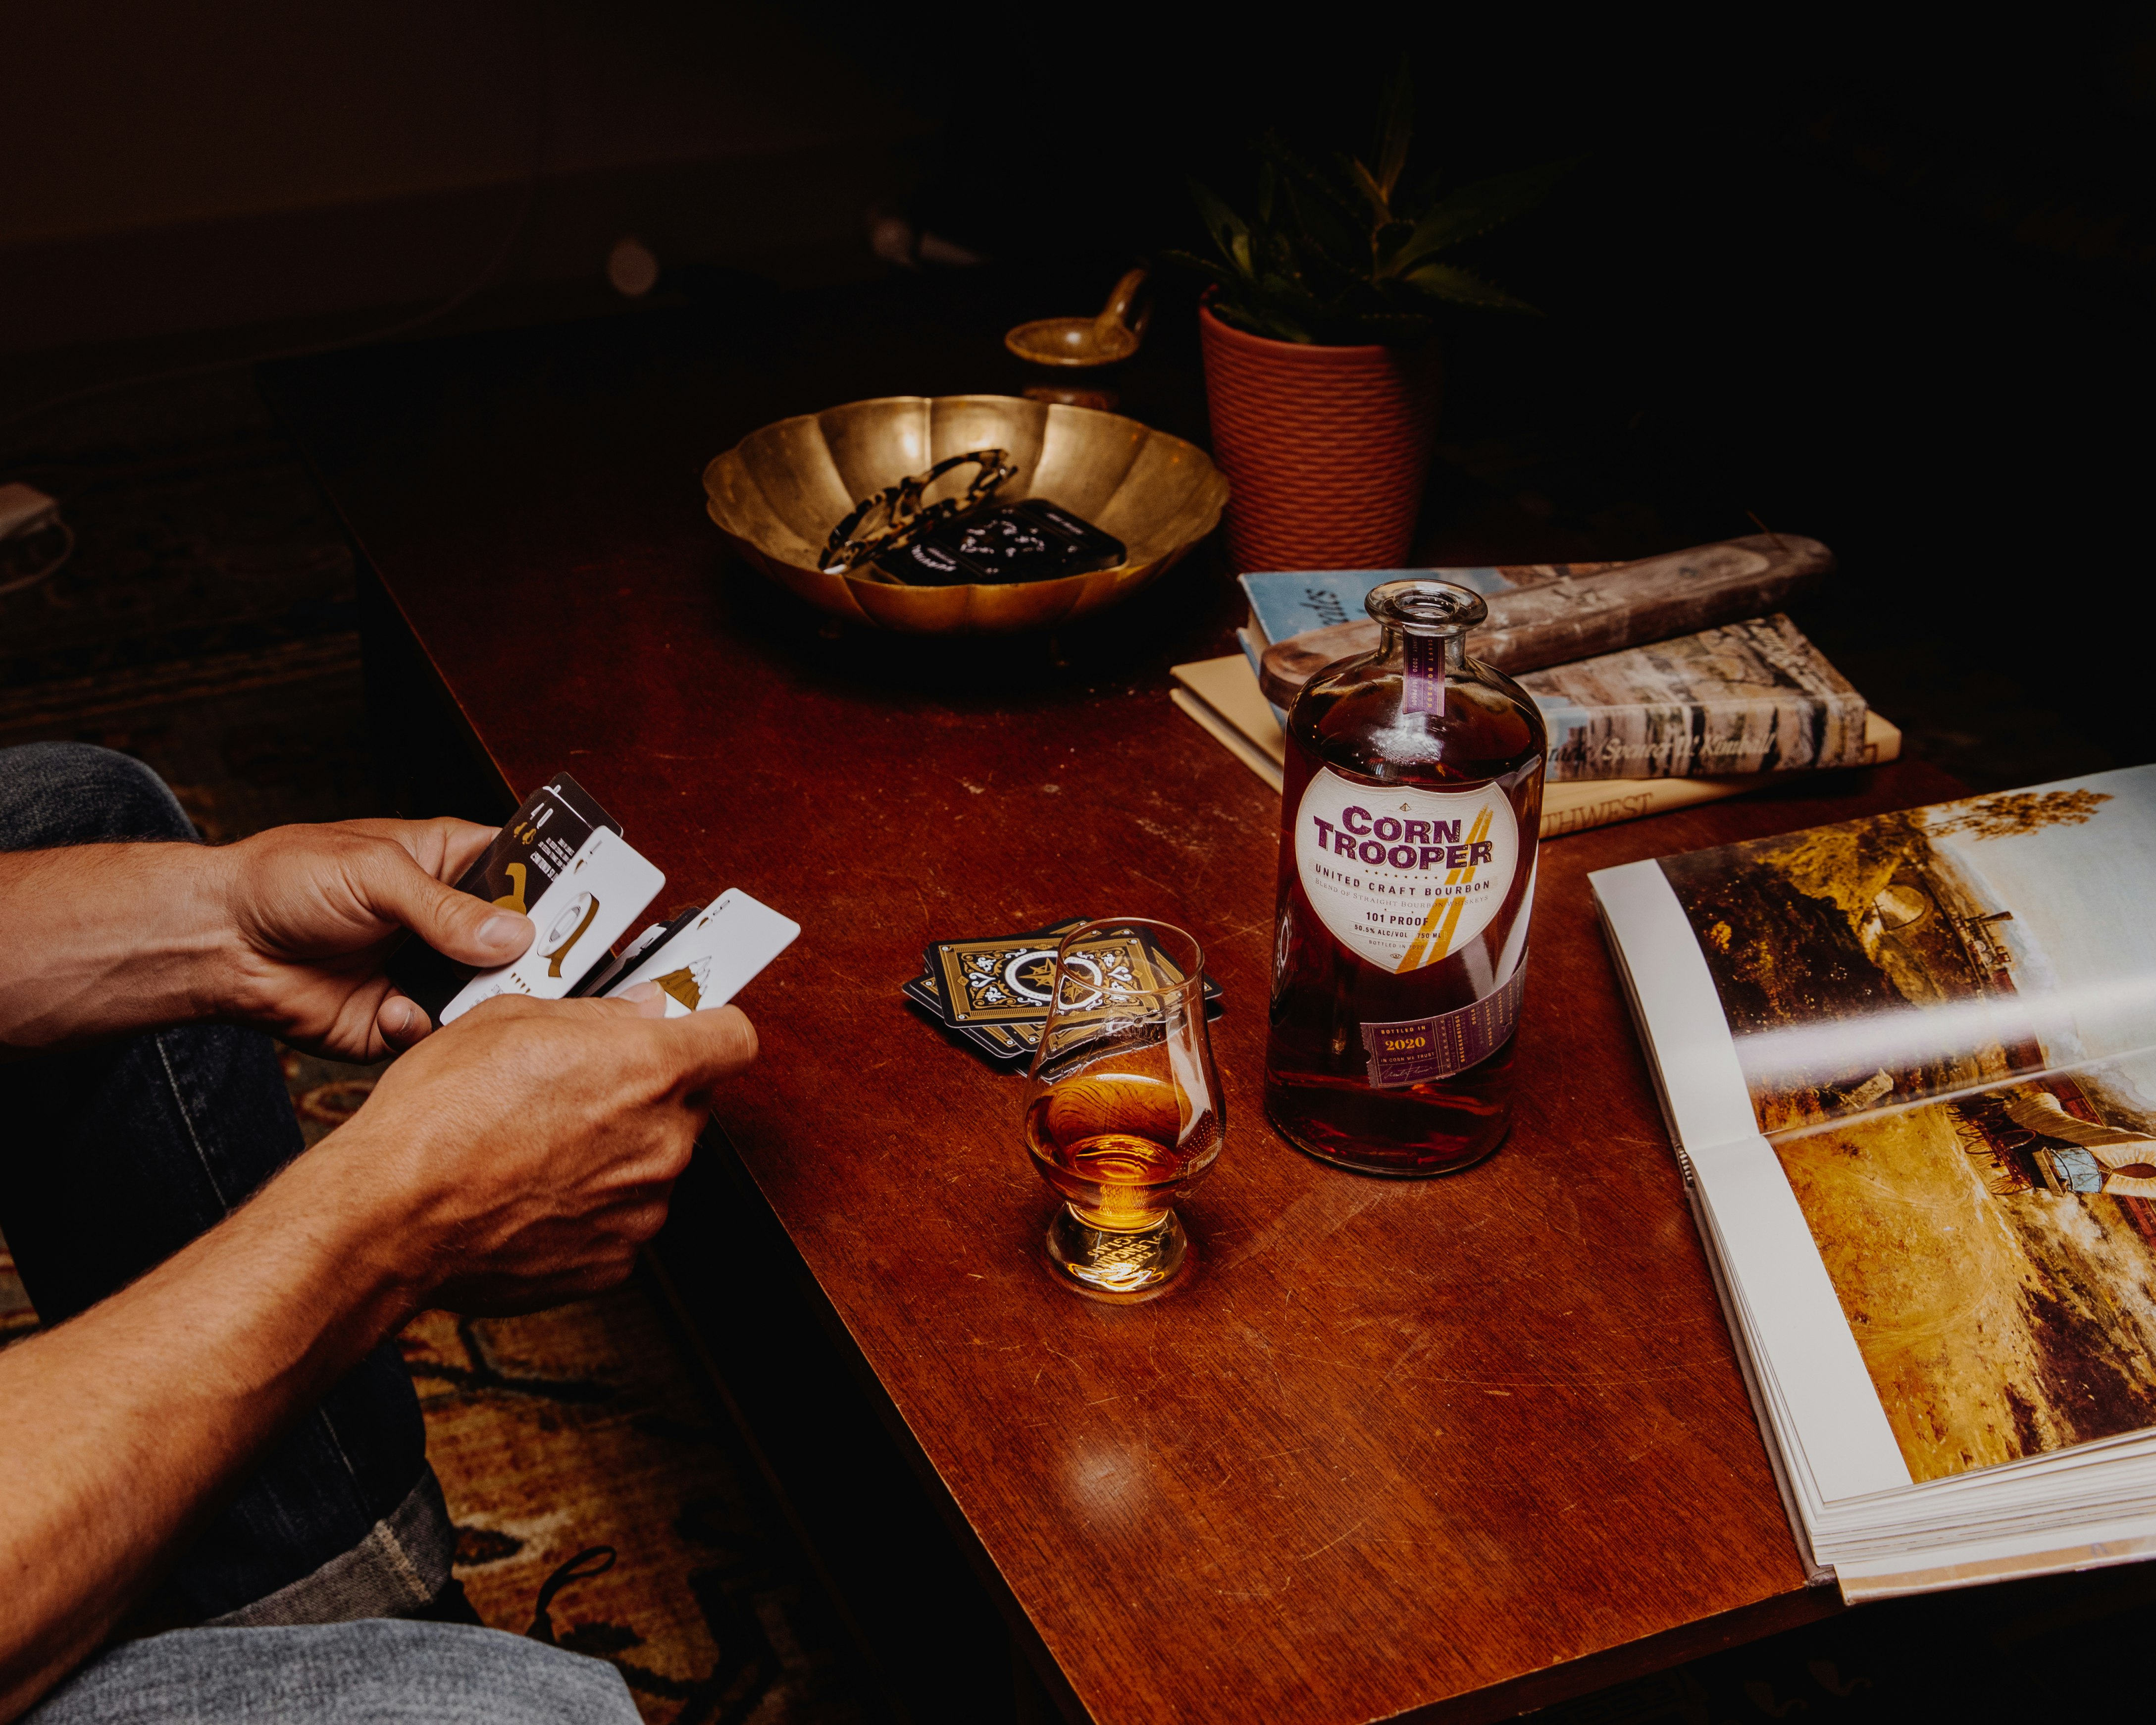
(1655,728)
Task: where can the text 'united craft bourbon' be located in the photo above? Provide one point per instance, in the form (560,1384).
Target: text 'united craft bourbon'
(1407,875)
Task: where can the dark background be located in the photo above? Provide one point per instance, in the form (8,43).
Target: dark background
(1881,279)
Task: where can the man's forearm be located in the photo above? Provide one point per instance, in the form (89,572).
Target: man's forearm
(126,1427)
(108,938)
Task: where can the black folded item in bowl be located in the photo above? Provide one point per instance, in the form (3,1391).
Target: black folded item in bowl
(1030,540)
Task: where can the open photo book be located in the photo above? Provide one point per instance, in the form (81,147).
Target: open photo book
(1909,1063)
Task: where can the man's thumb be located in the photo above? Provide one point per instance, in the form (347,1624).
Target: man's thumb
(455,924)
(713,1045)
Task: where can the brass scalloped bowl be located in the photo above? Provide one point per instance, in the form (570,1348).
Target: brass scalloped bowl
(778,492)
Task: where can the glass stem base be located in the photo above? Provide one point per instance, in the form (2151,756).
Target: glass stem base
(1124,1266)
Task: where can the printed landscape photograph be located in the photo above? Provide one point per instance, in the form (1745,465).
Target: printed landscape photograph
(1947,1020)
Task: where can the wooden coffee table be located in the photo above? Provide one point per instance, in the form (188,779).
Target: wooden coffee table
(1454,1449)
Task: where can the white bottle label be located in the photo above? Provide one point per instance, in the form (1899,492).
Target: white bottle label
(1401,876)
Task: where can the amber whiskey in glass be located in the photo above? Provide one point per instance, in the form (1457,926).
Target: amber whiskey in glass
(1123,1110)
(1408,823)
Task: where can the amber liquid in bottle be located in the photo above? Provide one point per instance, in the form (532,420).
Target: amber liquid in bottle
(1409,816)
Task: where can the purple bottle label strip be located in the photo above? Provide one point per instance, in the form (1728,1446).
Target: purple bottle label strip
(1416,1051)
(1425,690)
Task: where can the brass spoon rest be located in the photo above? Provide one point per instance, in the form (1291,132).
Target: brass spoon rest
(1104,340)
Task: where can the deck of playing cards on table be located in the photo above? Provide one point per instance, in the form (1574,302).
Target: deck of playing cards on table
(994,992)
(562,860)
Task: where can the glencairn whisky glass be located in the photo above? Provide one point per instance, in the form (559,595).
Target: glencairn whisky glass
(1123,1110)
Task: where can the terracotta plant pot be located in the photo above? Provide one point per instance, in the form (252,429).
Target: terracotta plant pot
(1324,448)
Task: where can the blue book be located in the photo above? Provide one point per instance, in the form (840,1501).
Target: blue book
(1291,602)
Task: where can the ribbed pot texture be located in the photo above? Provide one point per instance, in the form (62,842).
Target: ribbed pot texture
(1324,448)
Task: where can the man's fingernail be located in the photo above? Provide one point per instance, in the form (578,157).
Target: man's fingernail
(396,1017)
(649,998)
(506,930)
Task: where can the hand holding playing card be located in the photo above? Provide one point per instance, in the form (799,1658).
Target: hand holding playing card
(317,909)
(560,877)
(349,939)
(521,1157)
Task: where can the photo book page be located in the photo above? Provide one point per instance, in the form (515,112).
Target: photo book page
(1909,1065)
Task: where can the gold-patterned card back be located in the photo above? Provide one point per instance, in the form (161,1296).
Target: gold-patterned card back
(1008,981)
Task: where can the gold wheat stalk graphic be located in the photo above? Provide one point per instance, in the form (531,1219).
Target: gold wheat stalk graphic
(1434,937)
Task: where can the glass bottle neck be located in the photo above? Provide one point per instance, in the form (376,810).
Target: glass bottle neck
(1427,662)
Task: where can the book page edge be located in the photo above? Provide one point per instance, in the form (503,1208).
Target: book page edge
(1796,1321)
(1816,1573)
(1678,1012)
(2130,1543)
(1229,687)
(1848,1447)
(1240,746)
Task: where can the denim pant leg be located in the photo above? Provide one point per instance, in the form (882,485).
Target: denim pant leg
(342,1674)
(115,1156)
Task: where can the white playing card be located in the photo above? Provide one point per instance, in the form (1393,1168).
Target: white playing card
(598,893)
(597,981)
(712,958)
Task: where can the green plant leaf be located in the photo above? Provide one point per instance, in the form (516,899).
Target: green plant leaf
(1226,229)
(1316,228)
(1262,321)
(1295,294)
(1477,208)
(1448,281)
(1333,256)
(1367,183)
(1204,266)
(1296,172)
(1418,192)
(1395,129)
(1315,266)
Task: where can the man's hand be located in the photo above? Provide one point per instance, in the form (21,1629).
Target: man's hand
(529,1149)
(287,930)
(316,909)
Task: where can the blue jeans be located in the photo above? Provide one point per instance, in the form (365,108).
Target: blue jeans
(379,1673)
(115,1156)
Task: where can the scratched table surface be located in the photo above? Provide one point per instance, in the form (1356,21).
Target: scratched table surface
(1463,1446)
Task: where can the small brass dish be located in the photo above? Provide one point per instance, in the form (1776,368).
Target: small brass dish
(1084,341)
(776,494)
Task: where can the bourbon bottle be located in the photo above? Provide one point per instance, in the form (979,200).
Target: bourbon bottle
(1407,874)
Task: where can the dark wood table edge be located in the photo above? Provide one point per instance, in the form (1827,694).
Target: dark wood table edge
(428,759)
(1576,1677)
(808,1294)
